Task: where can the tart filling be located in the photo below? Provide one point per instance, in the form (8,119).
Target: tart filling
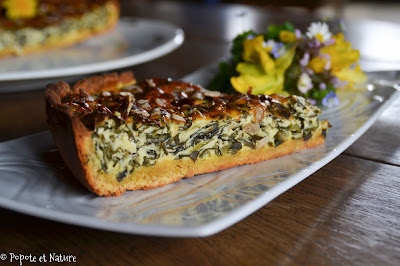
(162,120)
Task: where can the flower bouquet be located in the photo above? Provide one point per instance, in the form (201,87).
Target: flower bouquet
(285,61)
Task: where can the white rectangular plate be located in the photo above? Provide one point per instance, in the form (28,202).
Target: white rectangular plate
(35,181)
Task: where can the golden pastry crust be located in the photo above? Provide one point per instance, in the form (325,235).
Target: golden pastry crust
(72,138)
(69,38)
(79,148)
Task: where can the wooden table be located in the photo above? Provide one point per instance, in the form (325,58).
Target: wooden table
(346,213)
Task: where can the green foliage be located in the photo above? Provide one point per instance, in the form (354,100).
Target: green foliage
(291,76)
(317,94)
(273,30)
(222,81)
(237,48)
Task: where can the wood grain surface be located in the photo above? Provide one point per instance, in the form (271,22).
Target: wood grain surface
(347,213)
(344,214)
(382,141)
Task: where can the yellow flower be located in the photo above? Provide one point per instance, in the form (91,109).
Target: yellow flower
(253,48)
(319,37)
(252,76)
(343,57)
(287,36)
(17,9)
(352,75)
(317,64)
(260,72)
(341,54)
(255,52)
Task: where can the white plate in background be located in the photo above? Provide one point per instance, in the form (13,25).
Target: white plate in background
(132,42)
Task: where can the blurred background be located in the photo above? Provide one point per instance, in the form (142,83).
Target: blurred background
(373,27)
(386,10)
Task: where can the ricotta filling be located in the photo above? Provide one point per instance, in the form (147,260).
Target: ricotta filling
(120,147)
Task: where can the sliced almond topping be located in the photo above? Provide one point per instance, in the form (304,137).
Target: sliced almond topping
(178,118)
(151,83)
(134,89)
(128,103)
(197,96)
(141,112)
(212,93)
(265,103)
(145,106)
(252,128)
(155,113)
(124,93)
(258,114)
(262,142)
(142,101)
(166,117)
(161,102)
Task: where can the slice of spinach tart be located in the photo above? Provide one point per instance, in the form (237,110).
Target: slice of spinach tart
(116,134)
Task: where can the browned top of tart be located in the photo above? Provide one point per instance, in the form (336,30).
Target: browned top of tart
(159,101)
(50,12)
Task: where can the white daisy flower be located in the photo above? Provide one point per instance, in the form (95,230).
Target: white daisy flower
(304,84)
(319,31)
(270,44)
